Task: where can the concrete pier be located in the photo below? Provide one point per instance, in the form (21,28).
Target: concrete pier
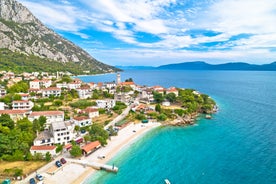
(95,165)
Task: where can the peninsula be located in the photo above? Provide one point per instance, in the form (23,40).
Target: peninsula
(52,119)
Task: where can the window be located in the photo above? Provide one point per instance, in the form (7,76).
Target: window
(58,139)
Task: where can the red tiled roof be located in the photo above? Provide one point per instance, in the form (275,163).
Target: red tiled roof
(127,83)
(43,147)
(51,88)
(91,109)
(21,101)
(45,113)
(79,118)
(90,146)
(13,111)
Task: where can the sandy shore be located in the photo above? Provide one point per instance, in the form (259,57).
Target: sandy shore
(75,173)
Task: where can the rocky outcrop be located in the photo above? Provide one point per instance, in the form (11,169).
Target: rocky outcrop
(21,31)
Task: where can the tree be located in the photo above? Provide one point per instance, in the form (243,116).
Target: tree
(5,120)
(171,97)
(75,151)
(20,87)
(59,148)
(162,117)
(158,97)
(129,80)
(48,156)
(158,108)
(25,125)
(42,122)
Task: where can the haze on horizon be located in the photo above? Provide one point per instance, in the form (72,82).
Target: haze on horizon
(150,32)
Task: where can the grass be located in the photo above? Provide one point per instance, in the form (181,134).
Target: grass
(27,166)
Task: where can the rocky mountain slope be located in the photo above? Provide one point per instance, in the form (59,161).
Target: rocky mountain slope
(22,32)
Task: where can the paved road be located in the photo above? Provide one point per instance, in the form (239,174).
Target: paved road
(119,118)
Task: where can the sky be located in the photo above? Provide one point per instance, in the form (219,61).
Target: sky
(158,32)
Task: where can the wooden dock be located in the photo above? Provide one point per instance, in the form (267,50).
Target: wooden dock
(95,165)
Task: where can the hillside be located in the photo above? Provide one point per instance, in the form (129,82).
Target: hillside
(22,33)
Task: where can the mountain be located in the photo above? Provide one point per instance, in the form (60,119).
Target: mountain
(22,33)
(200,65)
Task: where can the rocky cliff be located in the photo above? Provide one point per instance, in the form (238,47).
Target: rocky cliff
(22,32)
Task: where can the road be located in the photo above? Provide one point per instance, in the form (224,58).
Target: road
(119,118)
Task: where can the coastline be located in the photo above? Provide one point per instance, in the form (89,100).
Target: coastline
(75,173)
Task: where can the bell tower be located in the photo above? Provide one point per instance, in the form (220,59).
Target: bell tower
(118,79)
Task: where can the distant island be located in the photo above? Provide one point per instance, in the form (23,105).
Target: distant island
(201,65)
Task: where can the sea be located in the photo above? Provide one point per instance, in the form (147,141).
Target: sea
(237,146)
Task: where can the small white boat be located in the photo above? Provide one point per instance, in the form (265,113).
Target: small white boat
(167,181)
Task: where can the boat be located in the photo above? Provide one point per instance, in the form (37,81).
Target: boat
(167,181)
(208,116)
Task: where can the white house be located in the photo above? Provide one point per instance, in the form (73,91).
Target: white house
(106,104)
(43,150)
(172,90)
(62,132)
(22,105)
(45,138)
(62,85)
(15,114)
(82,121)
(51,91)
(37,84)
(51,116)
(92,112)
(74,85)
(84,92)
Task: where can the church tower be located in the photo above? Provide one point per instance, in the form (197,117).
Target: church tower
(118,80)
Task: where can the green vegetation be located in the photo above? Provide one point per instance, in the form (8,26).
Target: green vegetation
(75,150)
(97,132)
(118,108)
(19,63)
(15,140)
(20,87)
(82,104)
(99,94)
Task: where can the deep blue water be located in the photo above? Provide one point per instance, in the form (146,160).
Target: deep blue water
(237,146)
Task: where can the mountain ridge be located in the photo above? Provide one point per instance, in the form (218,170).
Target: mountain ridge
(201,65)
(22,32)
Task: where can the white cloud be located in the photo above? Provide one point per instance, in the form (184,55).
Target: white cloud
(125,19)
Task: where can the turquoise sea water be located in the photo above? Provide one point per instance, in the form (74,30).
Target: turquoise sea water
(237,146)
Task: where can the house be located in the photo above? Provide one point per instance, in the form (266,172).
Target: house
(51,116)
(82,121)
(158,89)
(92,112)
(131,84)
(44,138)
(74,85)
(172,90)
(62,85)
(22,105)
(37,84)
(54,91)
(110,85)
(62,132)
(24,96)
(106,104)
(84,92)
(15,114)
(43,150)
(90,148)
(123,97)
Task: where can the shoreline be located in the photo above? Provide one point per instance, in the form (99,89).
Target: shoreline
(75,173)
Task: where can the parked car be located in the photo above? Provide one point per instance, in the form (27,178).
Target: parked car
(63,161)
(32,181)
(39,177)
(58,164)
